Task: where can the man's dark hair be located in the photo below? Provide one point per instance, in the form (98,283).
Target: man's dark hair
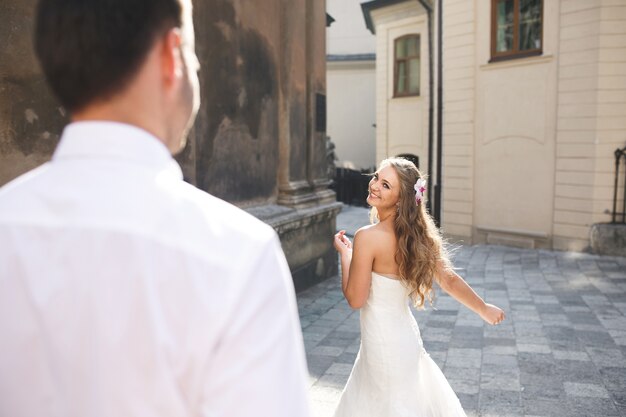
(91,49)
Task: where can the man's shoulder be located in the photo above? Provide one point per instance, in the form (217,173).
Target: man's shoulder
(14,193)
(218,217)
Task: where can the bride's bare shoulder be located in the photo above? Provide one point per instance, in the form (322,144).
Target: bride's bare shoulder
(374,233)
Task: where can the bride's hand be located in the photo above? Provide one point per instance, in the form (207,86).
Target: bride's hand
(342,243)
(492,314)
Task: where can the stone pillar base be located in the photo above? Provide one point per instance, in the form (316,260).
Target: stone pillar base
(608,239)
(306,235)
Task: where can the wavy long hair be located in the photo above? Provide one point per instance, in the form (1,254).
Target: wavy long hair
(420,248)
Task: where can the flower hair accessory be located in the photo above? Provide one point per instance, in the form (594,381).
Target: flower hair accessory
(420,189)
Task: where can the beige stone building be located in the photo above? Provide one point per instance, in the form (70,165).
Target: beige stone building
(533,107)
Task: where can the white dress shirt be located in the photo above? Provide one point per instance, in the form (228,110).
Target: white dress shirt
(126,292)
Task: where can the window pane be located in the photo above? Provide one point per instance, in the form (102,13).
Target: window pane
(530,25)
(504,26)
(414,75)
(401,48)
(412,48)
(401,81)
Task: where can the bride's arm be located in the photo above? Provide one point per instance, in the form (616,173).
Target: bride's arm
(460,290)
(356,267)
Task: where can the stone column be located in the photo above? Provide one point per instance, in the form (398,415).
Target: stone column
(317,174)
(294,189)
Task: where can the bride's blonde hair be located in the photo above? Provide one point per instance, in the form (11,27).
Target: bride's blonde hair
(420,249)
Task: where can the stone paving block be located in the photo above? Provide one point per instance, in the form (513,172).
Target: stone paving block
(526,330)
(463,386)
(613,323)
(441,324)
(498,382)
(571,355)
(473,321)
(327,350)
(550,309)
(465,353)
(560,333)
(537,363)
(621,306)
(499,350)
(439,357)
(599,338)
(546,387)
(586,407)
(354,347)
(578,389)
(543,407)
(318,330)
(499,341)
(525,316)
(504,330)
(469,402)
(539,340)
(437,335)
(619,397)
(346,357)
(339,369)
(318,364)
(335,381)
(505,361)
(492,369)
(583,318)
(499,401)
(588,327)
(313,337)
(460,342)
(596,301)
(575,308)
(463,362)
(430,345)
(466,374)
(578,371)
(533,348)
(606,357)
(614,378)
(554,320)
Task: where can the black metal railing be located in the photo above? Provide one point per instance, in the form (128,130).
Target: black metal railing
(351,186)
(619,155)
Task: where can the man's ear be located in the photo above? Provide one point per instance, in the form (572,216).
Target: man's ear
(171,60)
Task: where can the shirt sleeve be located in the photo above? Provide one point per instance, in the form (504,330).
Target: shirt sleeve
(259,366)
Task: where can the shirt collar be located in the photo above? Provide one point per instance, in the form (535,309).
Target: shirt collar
(113,140)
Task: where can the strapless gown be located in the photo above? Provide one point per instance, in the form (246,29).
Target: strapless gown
(393,376)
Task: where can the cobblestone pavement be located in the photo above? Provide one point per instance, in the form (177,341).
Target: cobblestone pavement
(561,351)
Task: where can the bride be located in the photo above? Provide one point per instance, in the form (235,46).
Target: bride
(390,262)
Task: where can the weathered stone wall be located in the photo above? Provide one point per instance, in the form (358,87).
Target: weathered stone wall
(30,118)
(255,142)
(236,132)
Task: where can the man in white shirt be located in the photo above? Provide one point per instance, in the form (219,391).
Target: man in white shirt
(125,291)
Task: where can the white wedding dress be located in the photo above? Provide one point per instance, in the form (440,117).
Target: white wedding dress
(393,376)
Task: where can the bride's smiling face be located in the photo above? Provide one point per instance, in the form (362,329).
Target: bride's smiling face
(384,188)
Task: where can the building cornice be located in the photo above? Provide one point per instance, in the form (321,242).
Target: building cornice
(372,5)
